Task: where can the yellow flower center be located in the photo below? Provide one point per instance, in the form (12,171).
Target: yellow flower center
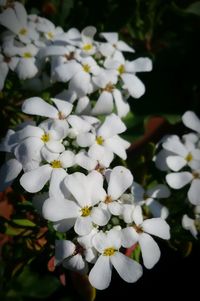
(85,211)
(86,68)
(189,157)
(27,55)
(121,69)
(50,35)
(45,138)
(56,164)
(100,140)
(23,31)
(109,252)
(87,47)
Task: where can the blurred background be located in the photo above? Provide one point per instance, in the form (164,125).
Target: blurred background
(167,31)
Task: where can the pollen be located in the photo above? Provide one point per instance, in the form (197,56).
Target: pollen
(189,157)
(87,47)
(56,164)
(86,68)
(99,140)
(121,69)
(109,252)
(23,31)
(45,138)
(50,35)
(61,115)
(85,211)
(109,88)
(27,55)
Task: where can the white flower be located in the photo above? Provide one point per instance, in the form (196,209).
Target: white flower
(108,246)
(182,154)
(177,180)
(87,191)
(87,44)
(34,180)
(49,30)
(148,197)
(15,19)
(113,44)
(106,80)
(139,233)
(105,141)
(189,224)
(127,69)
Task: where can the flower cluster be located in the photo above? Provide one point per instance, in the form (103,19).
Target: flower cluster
(66,158)
(42,54)
(180,157)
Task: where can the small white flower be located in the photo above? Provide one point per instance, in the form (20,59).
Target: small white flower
(140,232)
(108,246)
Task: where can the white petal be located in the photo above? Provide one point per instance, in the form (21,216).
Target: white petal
(133,84)
(57,177)
(26,68)
(115,208)
(9,20)
(176,163)
(121,45)
(111,37)
(66,71)
(88,33)
(159,191)
(83,106)
(118,146)
(128,269)
(85,139)
(129,237)
(55,146)
(34,180)
(114,238)
(138,192)
(161,160)
(83,160)
(37,106)
(101,154)
(79,124)
(156,226)
(174,144)
(83,225)
(150,250)
(142,64)
(63,249)
(111,126)
(157,209)
(191,120)
(29,131)
(100,274)
(120,180)
(122,106)
(8,172)
(64,225)
(75,263)
(80,83)
(57,209)
(104,104)
(137,215)
(20,13)
(95,185)
(178,180)
(64,107)
(189,224)
(3,74)
(194,192)
(67,159)
(100,216)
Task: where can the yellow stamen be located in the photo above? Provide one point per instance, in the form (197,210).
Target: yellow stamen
(109,252)
(85,211)
(100,140)
(87,47)
(50,35)
(27,55)
(121,69)
(23,31)
(45,138)
(86,68)
(56,164)
(189,157)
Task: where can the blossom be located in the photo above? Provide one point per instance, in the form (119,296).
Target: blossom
(140,231)
(108,245)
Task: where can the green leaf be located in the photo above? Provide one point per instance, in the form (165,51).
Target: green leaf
(194,8)
(24,222)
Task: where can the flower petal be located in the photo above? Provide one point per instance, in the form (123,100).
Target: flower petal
(159,191)
(8,172)
(178,180)
(120,180)
(100,216)
(128,269)
(176,163)
(194,192)
(37,106)
(111,126)
(191,120)
(34,180)
(100,274)
(129,237)
(133,84)
(104,104)
(63,249)
(121,104)
(83,225)
(150,250)
(156,226)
